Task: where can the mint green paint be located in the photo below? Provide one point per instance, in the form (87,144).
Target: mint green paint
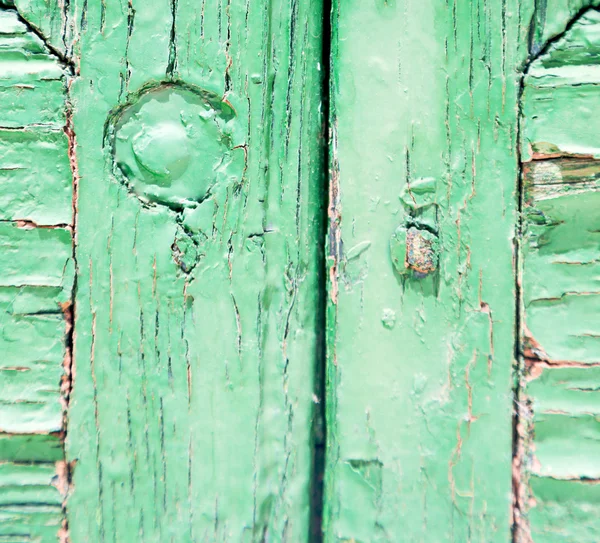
(200,178)
(423,90)
(176,145)
(567,511)
(194,134)
(29,448)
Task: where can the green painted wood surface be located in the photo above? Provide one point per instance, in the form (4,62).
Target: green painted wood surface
(194,131)
(424,225)
(559,278)
(197,301)
(422,321)
(36,283)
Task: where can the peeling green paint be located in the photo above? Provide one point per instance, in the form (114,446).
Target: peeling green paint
(36,284)
(200,173)
(192,142)
(560,344)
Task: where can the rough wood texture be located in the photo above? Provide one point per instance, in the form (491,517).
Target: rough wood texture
(189,134)
(560,294)
(199,164)
(36,281)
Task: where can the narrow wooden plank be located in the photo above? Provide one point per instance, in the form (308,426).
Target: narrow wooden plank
(200,164)
(29,448)
(36,282)
(35,256)
(559,295)
(422,292)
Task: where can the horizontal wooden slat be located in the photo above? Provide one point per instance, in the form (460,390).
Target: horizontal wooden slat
(31,338)
(35,256)
(31,300)
(31,71)
(30,448)
(569,390)
(26,104)
(567,446)
(564,127)
(30,524)
(565,511)
(35,176)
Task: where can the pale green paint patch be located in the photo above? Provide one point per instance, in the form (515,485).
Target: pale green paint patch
(35,256)
(35,174)
(567,511)
(567,390)
(424,141)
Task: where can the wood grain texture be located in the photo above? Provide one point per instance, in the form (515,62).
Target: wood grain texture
(196,313)
(424,141)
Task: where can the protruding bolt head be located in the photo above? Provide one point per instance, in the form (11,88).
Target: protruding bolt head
(173,143)
(414,250)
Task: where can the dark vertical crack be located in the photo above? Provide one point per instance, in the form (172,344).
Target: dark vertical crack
(320,389)
(172,64)
(69,309)
(517,443)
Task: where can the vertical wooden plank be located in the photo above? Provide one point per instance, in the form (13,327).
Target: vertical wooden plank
(200,184)
(560,336)
(422,289)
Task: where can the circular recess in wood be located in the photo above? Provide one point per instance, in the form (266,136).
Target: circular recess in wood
(172,143)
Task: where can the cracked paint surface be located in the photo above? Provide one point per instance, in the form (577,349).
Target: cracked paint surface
(193,413)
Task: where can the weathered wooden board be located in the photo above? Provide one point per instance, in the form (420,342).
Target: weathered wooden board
(199,156)
(560,296)
(422,289)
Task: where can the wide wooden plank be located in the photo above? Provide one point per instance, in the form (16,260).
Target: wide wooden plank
(200,163)
(422,291)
